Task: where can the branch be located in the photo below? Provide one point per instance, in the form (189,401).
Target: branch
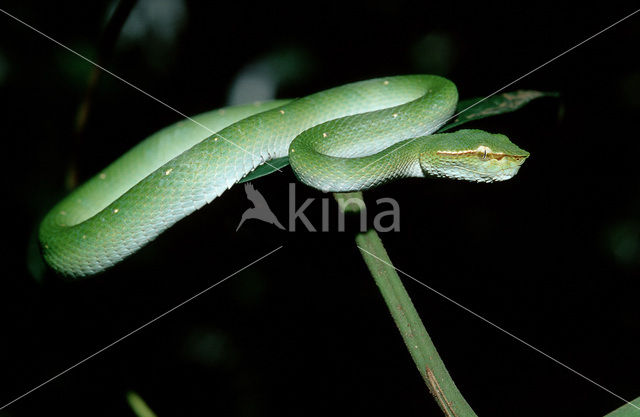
(415,336)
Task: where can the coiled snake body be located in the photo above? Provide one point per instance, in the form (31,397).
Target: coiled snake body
(348,138)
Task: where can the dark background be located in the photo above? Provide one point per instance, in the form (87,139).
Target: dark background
(552,255)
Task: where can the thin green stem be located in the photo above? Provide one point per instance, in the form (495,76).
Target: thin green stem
(414,334)
(138,405)
(105,51)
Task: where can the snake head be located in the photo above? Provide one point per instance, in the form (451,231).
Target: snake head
(472,155)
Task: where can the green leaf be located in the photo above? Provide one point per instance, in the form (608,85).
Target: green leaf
(266,169)
(479,108)
(631,409)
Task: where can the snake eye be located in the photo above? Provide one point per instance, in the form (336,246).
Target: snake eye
(484,151)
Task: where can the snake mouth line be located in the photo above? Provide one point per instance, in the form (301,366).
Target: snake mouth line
(484,154)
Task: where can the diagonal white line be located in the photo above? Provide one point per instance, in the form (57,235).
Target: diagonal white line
(499,328)
(511,83)
(132,85)
(138,329)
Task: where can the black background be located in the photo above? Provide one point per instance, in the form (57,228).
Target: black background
(551,256)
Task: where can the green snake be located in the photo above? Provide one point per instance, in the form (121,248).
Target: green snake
(347,138)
